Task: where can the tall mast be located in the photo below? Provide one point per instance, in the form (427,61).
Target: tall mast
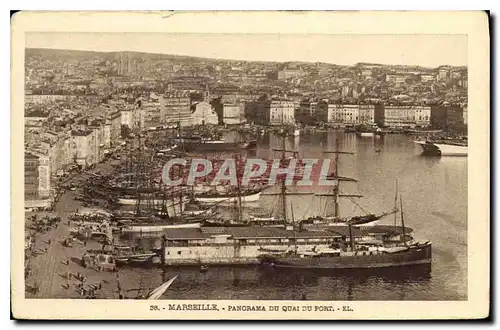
(283,183)
(238,187)
(402,220)
(293,224)
(336,188)
(336,175)
(396,203)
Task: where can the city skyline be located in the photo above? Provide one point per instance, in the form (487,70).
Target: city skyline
(411,50)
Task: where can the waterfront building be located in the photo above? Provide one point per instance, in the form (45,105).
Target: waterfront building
(31,164)
(204,114)
(366,114)
(275,112)
(447,116)
(343,113)
(59,153)
(312,112)
(280,112)
(401,116)
(82,147)
(44,187)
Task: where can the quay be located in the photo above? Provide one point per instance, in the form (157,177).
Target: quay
(51,268)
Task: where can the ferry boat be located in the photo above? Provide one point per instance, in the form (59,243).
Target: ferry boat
(443,148)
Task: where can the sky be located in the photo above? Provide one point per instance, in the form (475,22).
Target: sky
(425,50)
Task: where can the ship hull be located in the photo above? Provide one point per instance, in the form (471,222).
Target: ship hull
(224,199)
(440,149)
(420,255)
(212,147)
(157,228)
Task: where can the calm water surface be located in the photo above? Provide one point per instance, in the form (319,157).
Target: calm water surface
(434,192)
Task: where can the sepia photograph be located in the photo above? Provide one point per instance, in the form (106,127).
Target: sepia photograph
(283,172)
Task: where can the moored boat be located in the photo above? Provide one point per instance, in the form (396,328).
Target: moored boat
(251,195)
(416,254)
(443,148)
(198,144)
(156,227)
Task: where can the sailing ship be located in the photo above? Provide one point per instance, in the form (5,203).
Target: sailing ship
(375,246)
(154,211)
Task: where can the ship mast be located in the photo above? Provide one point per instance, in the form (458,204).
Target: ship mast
(402,220)
(335,192)
(283,183)
(238,187)
(396,203)
(293,224)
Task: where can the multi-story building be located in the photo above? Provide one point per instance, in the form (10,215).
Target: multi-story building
(115,120)
(465,114)
(343,113)
(60,153)
(44,188)
(97,139)
(346,91)
(275,112)
(233,113)
(82,144)
(404,116)
(107,135)
(366,114)
(290,73)
(175,109)
(447,116)
(31,164)
(396,78)
(204,114)
(443,73)
(427,77)
(281,112)
(133,118)
(312,112)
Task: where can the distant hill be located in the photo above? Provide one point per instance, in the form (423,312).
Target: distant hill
(63,54)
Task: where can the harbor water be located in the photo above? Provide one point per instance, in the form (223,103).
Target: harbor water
(434,193)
